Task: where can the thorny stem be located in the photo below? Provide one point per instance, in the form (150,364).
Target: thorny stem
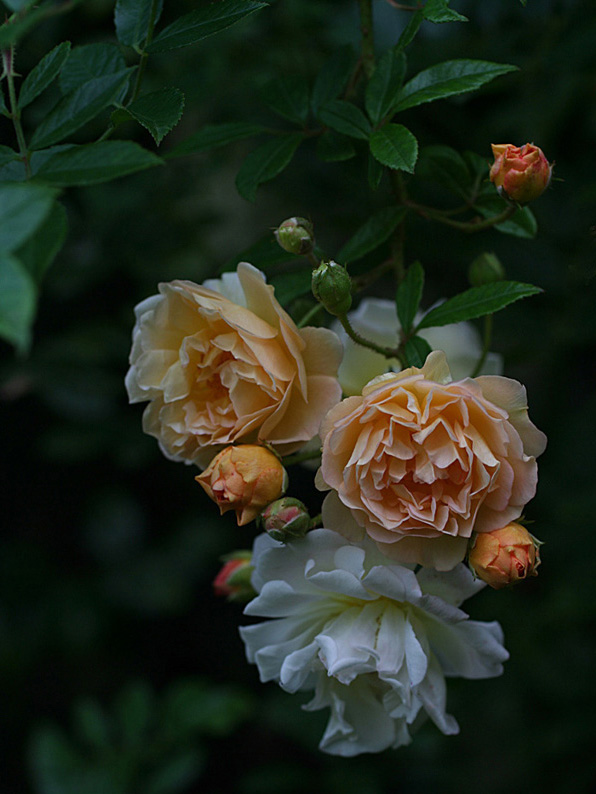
(368,42)
(15,113)
(488,332)
(388,352)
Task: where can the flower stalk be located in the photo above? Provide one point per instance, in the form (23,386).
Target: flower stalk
(15,112)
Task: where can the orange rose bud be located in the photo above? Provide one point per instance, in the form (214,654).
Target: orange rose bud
(233,580)
(504,556)
(245,479)
(520,174)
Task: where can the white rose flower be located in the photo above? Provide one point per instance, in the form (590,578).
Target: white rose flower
(373,639)
(376,319)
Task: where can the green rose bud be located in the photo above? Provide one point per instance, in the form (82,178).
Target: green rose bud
(296,236)
(332,286)
(485,269)
(286,519)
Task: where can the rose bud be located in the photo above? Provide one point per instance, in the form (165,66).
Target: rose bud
(485,269)
(233,580)
(520,174)
(286,519)
(504,556)
(332,286)
(245,479)
(296,236)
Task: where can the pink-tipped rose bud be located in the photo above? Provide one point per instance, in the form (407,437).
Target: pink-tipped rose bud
(520,174)
(233,580)
(505,556)
(286,519)
(245,479)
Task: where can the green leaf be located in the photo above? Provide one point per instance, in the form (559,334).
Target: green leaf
(93,163)
(394,146)
(521,224)
(411,29)
(134,709)
(346,118)
(439,11)
(409,294)
(213,136)
(158,112)
(384,85)
(476,302)
(371,234)
(17,5)
(23,207)
(7,155)
(265,254)
(40,250)
(289,286)
(447,167)
(18,296)
(333,77)
(131,18)
(333,147)
(266,162)
(416,350)
(11,32)
(175,774)
(79,107)
(374,172)
(40,77)
(288,97)
(203,22)
(449,79)
(88,62)
(91,724)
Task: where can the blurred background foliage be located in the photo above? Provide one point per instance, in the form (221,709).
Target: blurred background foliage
(120,672)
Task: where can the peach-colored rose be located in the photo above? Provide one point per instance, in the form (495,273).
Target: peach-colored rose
(245,479)
(504,556)
(521,173)
(223,363)
(419,462)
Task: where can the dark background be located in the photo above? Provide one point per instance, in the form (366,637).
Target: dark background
(111,641)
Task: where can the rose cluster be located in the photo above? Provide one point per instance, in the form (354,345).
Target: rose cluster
(426,472)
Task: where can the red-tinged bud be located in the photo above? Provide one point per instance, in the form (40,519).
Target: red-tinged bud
(245,479)
(296,236)
(233,580)
(286,519)
(504,556)
(520,174)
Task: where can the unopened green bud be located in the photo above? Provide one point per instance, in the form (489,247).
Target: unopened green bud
(286,519)
(296,236)
(332,286)
(485,269)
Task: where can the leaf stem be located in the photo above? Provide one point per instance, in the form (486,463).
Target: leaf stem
(299,457)
(15,112)
(488,332)
(368,42)
(144,53)
(470,227)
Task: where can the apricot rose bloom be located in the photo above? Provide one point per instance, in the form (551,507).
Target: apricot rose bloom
(418,462)
(223,363)
(521,173)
